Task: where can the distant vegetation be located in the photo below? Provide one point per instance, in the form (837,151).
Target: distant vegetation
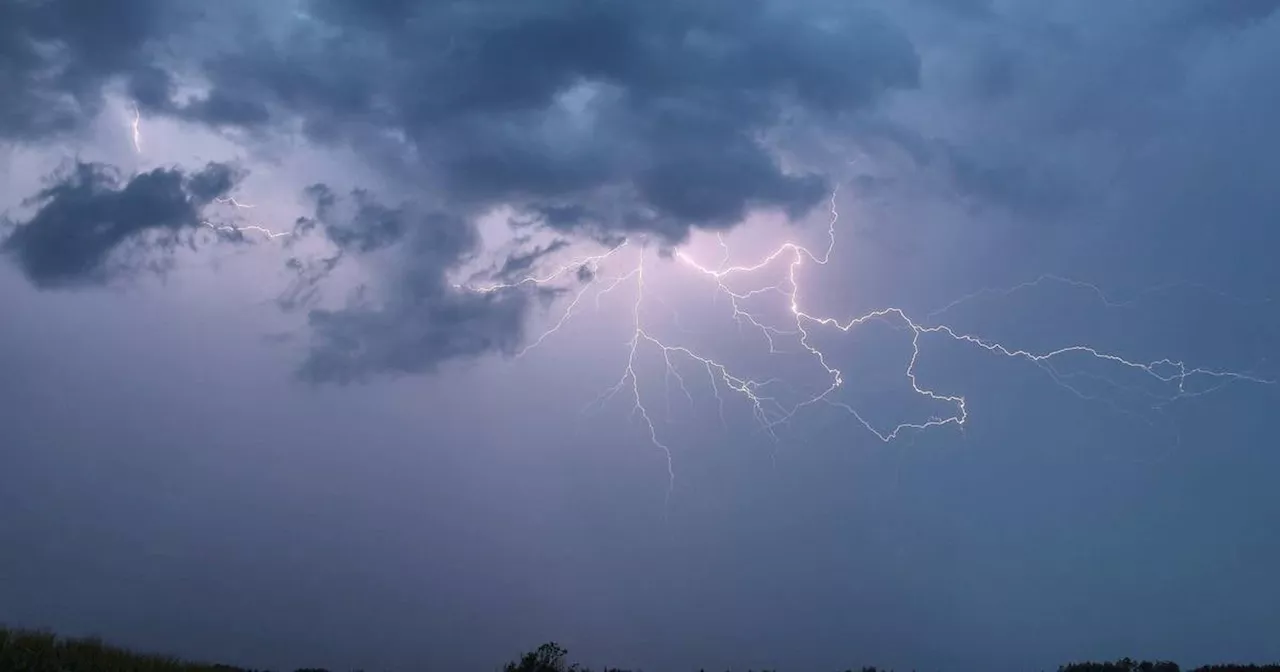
(27,651)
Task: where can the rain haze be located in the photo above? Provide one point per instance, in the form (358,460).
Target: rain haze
(689,334)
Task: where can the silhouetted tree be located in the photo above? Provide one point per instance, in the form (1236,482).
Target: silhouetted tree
(546,658)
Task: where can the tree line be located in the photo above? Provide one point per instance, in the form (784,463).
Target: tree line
(29,651)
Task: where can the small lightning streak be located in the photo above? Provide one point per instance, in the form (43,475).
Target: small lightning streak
(268,233)
(769,410)
(137,130)
(230,200)
(228,228)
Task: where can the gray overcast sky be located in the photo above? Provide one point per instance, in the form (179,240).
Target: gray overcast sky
(331,447)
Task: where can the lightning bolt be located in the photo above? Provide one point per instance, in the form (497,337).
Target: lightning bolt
(230,200)
(226,228)
(268,233)
(771,411)
(137,131)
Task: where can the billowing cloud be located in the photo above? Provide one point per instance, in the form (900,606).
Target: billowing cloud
(644,116)
(603,118)
(89,214)
(422,320)
(607,119)
(57,57)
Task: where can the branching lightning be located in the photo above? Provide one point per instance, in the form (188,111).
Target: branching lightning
(268,233)
(769,410)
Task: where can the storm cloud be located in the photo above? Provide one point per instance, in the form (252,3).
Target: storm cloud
(419,320)
(602,119)
(598,118)
(89,213)
(58,57)
(373,465)
(660,106)
(654,108)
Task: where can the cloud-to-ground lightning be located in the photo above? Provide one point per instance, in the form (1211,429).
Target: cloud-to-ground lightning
(771,411)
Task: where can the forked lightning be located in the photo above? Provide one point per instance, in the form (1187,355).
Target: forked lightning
(770,411)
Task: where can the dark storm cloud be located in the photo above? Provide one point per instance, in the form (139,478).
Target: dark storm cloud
(598,118)
(56,57)
(423,320)
(658,105)
(88,213)
(522,262)
(1043,104)
(413,332)
(372,226)
(1103,67)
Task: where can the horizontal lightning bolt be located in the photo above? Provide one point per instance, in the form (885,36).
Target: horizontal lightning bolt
(228,228)
(230,200)
(268,233)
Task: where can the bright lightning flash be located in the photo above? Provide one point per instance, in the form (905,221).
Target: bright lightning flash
(769,410)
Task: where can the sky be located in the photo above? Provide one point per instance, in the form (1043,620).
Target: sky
(925,334)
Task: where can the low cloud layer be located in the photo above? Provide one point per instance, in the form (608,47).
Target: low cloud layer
(609,119)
